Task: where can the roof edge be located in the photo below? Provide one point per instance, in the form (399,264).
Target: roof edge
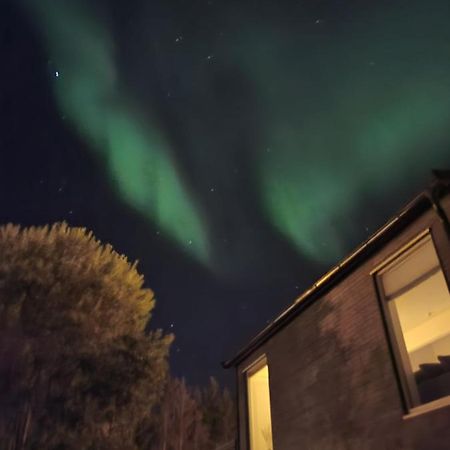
(421,203)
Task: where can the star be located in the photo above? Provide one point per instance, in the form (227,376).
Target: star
(57,74)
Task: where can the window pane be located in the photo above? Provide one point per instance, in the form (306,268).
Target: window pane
(259,409)
(409,269)
(422,314)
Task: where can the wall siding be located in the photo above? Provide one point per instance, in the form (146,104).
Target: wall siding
(332,377)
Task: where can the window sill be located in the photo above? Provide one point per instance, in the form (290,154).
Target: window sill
(428,407)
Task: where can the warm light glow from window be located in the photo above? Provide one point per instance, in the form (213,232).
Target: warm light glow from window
(259,408)
(424,314)
(419,303)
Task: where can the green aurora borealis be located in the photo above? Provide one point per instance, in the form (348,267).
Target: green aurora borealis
(135,151)
(342,110)
(354,115)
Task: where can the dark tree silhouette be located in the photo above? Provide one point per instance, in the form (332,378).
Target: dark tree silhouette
(193,418)
(181,421)
(219,414)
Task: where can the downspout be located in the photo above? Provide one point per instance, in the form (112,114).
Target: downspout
(237,443)
(434,195)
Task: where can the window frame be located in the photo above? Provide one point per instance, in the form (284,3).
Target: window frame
(402,365)
(250,369)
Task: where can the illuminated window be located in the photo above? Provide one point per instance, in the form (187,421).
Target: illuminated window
(260,425)
(417,302)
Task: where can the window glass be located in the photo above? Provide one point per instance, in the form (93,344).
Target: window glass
(419,303)
(260,425)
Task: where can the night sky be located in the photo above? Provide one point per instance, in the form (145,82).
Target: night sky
(237,149)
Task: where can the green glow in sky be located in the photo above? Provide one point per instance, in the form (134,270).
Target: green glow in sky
(348,116)
(329,112)
(310,203)
(136,152)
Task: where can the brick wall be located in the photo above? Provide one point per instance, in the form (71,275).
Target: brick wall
(332,378)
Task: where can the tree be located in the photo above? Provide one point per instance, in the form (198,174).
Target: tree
(180,420)
(77,369)
(194,418)
(218,412)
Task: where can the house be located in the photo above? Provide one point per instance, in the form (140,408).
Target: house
(361,360)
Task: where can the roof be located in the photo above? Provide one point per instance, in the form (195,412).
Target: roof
(420,204)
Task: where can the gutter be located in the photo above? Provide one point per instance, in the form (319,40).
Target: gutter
(437,190)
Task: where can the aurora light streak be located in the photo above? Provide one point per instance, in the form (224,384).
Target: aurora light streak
(349,114)
(343,110)
(136,152)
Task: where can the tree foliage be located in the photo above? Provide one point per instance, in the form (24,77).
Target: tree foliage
(77,369)
(219,413)
(194,418)
(180,420)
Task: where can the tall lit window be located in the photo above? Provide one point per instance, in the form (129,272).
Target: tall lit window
(417,302)
(260,425)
